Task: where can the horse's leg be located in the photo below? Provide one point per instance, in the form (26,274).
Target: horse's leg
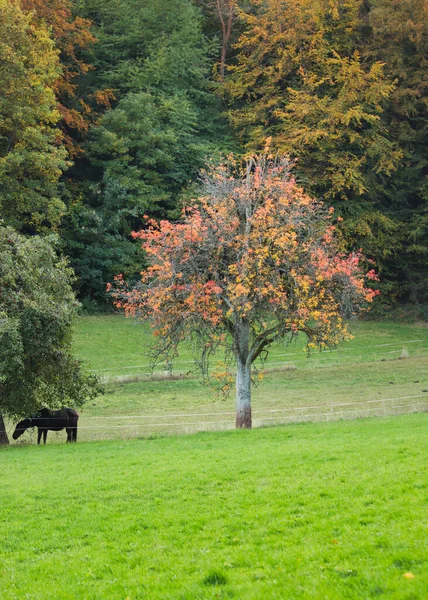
(75,434)
(39,435)
(68,430)
(45,434)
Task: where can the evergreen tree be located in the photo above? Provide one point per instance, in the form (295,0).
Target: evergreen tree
(143,154)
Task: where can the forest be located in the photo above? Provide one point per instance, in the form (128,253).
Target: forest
(110,109)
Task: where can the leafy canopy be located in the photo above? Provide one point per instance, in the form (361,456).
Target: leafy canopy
(37,308)
(144,153)
(255,254)
(340,85)
(31,156)
(72,36)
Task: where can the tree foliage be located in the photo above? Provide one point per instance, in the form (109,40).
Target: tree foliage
(398,36)
(136,95)
(72,36)
(341,86)
(31,156)
(37,307)
(143,154)
(253,261)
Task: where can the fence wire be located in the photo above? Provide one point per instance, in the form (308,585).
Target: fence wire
(182,368)
(143,425)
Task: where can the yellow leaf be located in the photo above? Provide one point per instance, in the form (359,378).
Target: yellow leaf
(408,575)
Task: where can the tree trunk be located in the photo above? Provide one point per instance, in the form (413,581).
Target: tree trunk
(243,376)
(226,30)
(3,434)
(243,395)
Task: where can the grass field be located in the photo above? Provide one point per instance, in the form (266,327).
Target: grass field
(383,370)
(310,511)
(116,346)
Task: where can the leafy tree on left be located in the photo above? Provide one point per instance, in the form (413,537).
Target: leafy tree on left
(37,307)
(31,155)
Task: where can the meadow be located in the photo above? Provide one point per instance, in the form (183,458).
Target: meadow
(382,370)
(333,509)
(318,510)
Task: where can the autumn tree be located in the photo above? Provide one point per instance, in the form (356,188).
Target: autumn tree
(253,261)
(37,310)
(31,156)
(72,36)
(300,78)
(340,85)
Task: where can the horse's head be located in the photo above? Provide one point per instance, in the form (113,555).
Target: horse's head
(21,427)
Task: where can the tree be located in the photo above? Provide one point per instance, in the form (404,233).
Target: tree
(72,36)
(340,85)
(397,35)
(37,308)
(300,79)
(253,261)
(143,154)
(225,11)
(31,156)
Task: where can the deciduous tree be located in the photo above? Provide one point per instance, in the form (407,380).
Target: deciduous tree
(252,261)
(300,79)
(37,308)
(31,156)
(340,85)
(143,154)
(72,36)
(225,13)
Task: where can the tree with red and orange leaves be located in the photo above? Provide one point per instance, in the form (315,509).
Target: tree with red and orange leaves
(253,261)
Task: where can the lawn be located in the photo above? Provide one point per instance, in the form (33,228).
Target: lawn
(318,510)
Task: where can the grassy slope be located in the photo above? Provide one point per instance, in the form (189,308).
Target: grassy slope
(332,511)
(113,343)
(110,344)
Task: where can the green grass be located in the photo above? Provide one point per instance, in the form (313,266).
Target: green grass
(309,511)
(366,377)
(114,345)
(355,381)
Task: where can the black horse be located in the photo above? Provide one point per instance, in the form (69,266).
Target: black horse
(54,420)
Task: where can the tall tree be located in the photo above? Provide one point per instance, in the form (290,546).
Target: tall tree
(341,86)
(300,79)
(31,156)
(397,34)
(37,308)
(253,261)
(73,38)
(143,154)
(224,13)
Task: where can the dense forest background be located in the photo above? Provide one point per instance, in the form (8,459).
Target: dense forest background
(109,109)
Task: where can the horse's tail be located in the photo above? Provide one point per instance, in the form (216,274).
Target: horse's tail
(73,417)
